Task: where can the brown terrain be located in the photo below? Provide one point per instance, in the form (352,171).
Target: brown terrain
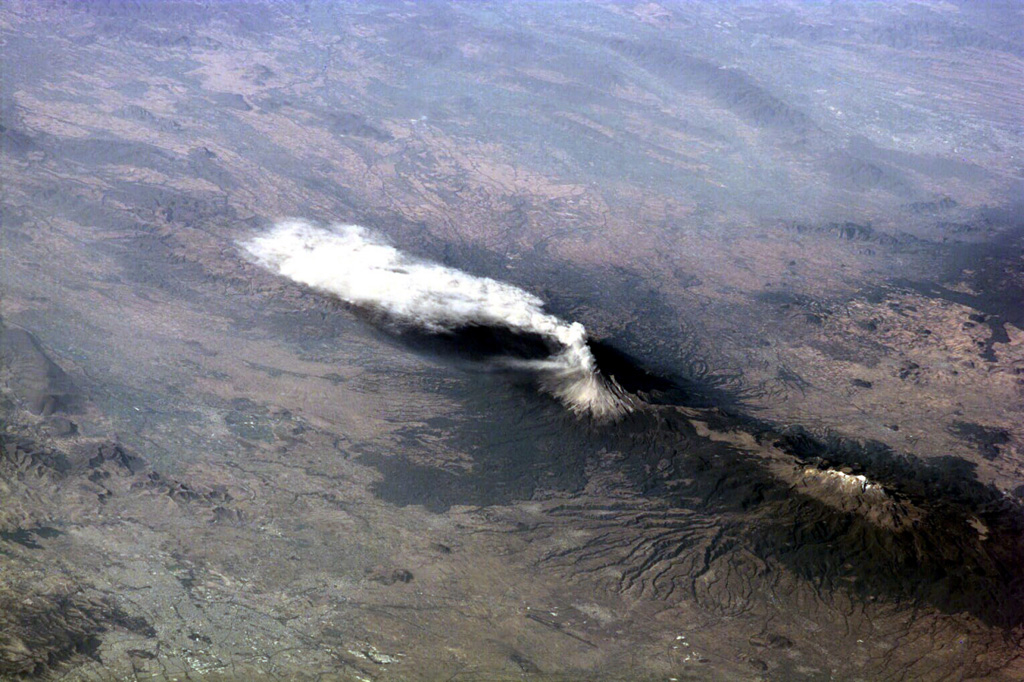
(795,230)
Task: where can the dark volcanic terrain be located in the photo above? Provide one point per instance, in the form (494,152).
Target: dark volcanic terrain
(794,231)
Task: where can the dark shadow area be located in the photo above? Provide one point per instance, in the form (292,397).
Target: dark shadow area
(477,343)
(992,268)
(635,378)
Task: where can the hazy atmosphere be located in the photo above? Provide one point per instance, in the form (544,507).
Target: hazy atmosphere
(511,340)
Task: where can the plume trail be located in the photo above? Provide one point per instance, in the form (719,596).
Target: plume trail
(357,266)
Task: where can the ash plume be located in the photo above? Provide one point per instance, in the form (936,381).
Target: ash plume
(359,267)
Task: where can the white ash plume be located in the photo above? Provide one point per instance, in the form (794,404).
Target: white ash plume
(350,262)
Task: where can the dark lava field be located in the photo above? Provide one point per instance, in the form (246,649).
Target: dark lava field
(789,447)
